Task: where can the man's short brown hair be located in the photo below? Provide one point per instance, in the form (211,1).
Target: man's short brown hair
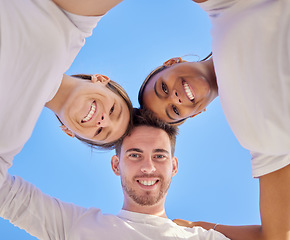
(144,117)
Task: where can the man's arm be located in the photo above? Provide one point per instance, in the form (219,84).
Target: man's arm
(87,7)
(250,232)
(275,204)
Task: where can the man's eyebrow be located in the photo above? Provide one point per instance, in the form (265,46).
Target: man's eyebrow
(167,113)
(155,90)
(134,150)
(160,150)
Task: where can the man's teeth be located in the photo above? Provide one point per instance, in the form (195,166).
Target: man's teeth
(147,183)
(91,113)
(188,91)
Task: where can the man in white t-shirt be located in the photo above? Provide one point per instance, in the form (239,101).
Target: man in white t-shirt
(145,164)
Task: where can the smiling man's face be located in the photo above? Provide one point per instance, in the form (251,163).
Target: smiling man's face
(146,166)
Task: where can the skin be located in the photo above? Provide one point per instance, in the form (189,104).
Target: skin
(145,156)
(74,100)
(165,93)
(87,7)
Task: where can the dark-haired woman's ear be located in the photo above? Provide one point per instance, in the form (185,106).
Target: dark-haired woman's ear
(100,78)
(67,131)
(172,61)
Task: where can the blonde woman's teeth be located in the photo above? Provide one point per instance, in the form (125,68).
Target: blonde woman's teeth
(91,113)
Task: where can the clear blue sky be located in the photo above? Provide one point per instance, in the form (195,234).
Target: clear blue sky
(214,182)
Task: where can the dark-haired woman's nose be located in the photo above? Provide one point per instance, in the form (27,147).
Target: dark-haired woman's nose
(175,97)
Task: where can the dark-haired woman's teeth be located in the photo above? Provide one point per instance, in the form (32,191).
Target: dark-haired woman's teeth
(188,91)
(91,113)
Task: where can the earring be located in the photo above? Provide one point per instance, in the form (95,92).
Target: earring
(172,61)
(198,113)
(67,131)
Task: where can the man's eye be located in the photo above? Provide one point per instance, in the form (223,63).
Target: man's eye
(112,109)
(175,110)
(164,87)
(134,155)
(159,156)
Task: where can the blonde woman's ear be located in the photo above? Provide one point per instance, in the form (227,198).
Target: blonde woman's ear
(67,131)
(100,78)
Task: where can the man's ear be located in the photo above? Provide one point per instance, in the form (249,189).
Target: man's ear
(67,131)
(174,166)
(115,165)
(100,78)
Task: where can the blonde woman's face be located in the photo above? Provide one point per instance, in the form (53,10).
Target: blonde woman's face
(95,113)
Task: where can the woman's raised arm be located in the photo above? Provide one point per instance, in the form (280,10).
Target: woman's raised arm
(87,7)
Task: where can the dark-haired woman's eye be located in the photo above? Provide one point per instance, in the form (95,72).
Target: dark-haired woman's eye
(112,109)
(175,110)
(164,87)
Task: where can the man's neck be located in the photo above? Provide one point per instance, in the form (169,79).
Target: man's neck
(151,210)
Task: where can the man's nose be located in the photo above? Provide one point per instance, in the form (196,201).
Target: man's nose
(104,120)
(148,166)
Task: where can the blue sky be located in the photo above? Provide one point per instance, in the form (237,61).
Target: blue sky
(214,182)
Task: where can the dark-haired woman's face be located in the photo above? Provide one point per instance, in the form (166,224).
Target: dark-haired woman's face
(95,113)
(178,92)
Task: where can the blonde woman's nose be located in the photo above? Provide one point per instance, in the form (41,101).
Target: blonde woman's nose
(104,120)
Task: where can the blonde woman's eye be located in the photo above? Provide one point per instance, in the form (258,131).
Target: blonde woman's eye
(164,87)
(112,109)
(175,110)
(98,131)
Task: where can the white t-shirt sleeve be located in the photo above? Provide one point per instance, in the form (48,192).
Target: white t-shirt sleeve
(84,23)
(40,215)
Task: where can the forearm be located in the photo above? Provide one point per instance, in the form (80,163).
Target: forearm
(250,232)
(275,204)
(87,7)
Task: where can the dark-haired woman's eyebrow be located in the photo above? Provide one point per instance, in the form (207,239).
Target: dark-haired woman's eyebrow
(155,90)
(168,115)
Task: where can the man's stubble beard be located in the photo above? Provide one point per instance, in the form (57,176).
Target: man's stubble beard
(146,199)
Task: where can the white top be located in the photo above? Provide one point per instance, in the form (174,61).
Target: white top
(48,218)
(251,47)
(39,42)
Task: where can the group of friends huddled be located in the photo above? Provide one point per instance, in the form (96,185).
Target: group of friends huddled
(249,69)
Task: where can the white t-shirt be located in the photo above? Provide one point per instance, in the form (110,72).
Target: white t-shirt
(39,42)
(251,49)
(48,218)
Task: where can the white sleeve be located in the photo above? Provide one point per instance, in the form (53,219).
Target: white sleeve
(40,215)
